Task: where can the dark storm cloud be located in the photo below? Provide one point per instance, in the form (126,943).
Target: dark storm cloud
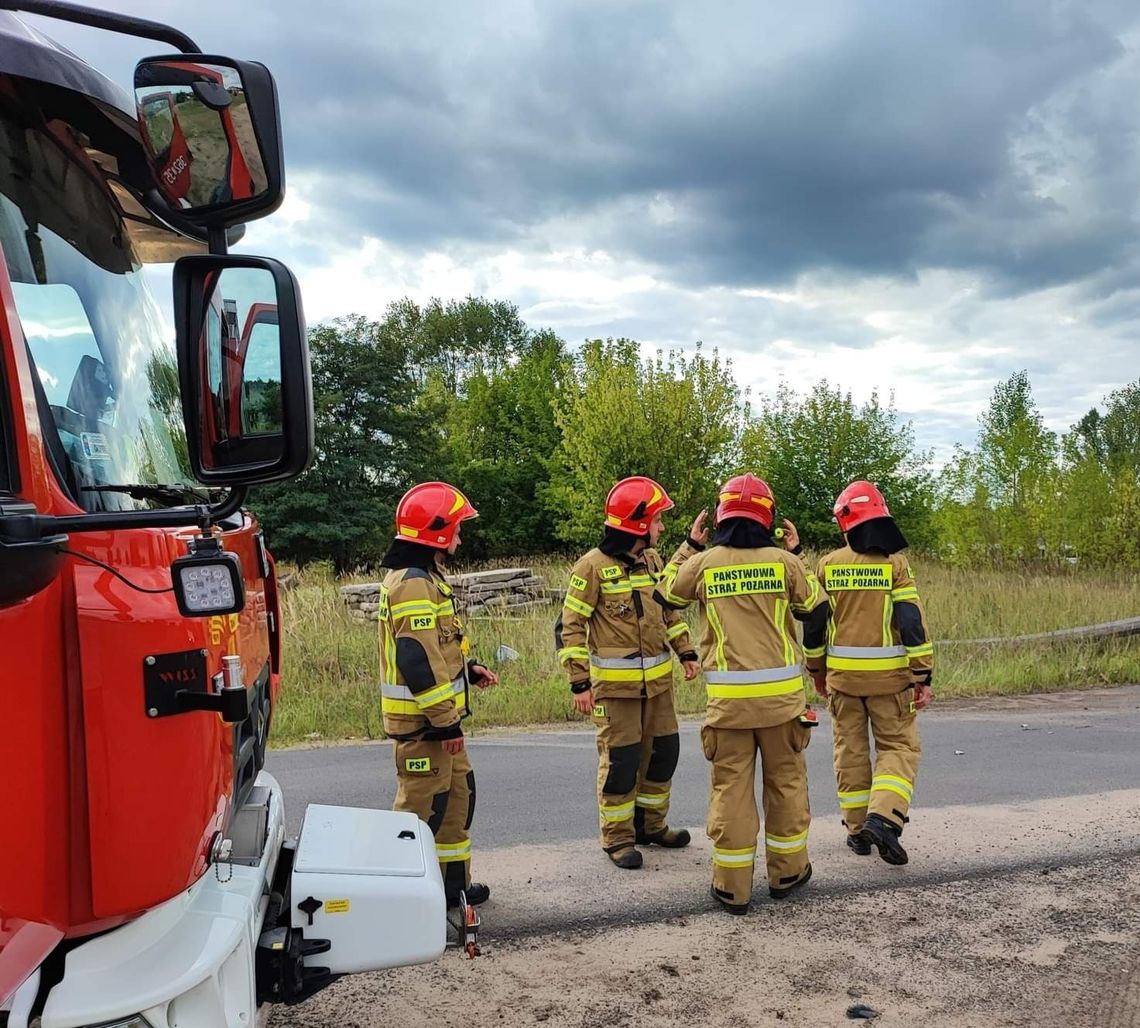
(727,143)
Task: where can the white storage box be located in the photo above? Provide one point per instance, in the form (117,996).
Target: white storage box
(370,882)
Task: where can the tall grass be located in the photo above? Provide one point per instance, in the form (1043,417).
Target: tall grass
(331,664)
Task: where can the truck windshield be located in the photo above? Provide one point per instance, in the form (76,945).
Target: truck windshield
(104,357)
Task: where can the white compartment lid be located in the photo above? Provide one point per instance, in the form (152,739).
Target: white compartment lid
(359,841)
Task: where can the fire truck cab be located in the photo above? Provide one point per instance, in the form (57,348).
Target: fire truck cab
(145,874)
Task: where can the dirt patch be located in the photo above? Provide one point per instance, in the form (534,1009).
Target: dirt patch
(1035,947)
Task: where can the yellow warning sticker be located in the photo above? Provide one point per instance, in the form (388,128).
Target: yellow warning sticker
(839,578)
(612,572)
(744,579)
(422,622)
(336,906)
(416,765)
(578,582)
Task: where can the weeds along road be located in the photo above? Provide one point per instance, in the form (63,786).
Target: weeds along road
(1021,901)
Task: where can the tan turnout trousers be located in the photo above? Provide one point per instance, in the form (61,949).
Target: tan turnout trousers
(440,789)
(733,821)
(889,790)
(637,755)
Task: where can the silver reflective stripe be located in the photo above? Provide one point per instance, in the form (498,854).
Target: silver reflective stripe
(641,663)
(402,692)
(765,674)
(858,652)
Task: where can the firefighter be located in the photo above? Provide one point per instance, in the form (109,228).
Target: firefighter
(425,675)
(614,642)
(880,659)
(749,590)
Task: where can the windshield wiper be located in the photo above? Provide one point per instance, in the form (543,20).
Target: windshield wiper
(174,495)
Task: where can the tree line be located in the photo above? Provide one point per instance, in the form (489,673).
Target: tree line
(535,433)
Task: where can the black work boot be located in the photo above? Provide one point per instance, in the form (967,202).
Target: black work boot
(626,858)
(884,836)
(669,838)
(725,900)
(477,893)
(782,891)
(859,843)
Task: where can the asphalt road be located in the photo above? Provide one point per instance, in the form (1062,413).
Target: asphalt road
(538,787)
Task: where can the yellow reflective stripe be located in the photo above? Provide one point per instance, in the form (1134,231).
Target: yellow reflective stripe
(893,783)
(751,692)
(718,631)
(888,610)
(390,674)
(652,799)
(786,843)
(926,649)
(578,606)
(642,581)
(815,651)
(435,695)
(617,812)
(616,588)
(676,631)
(734,858)
(630,674)
(808,605)
(393,706)
(782,626)
(866,663)
(665,585)
(453,852)
(904,594)
(854,800)
(568,653)
(409,607)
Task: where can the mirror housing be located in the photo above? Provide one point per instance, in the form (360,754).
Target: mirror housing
(211,131)
(243,364)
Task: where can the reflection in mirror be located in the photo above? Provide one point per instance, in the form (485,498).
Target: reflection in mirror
(241,369)
(198,133)
(111,390)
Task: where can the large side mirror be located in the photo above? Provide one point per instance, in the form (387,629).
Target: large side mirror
(243,363)
(211,130)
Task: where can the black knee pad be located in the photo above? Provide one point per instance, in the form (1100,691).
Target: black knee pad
(624,764)
(470,800)
(454,878)
(438,810)
(663,760)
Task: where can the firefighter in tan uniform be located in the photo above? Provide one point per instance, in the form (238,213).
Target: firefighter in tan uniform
(614,642)
(425,676)
(749,591)
(880,658)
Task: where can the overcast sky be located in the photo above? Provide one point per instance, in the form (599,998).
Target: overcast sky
(918,196)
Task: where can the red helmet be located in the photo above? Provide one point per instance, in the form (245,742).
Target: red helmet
(746,496)
(634,502)
(429,513)
(859,502)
